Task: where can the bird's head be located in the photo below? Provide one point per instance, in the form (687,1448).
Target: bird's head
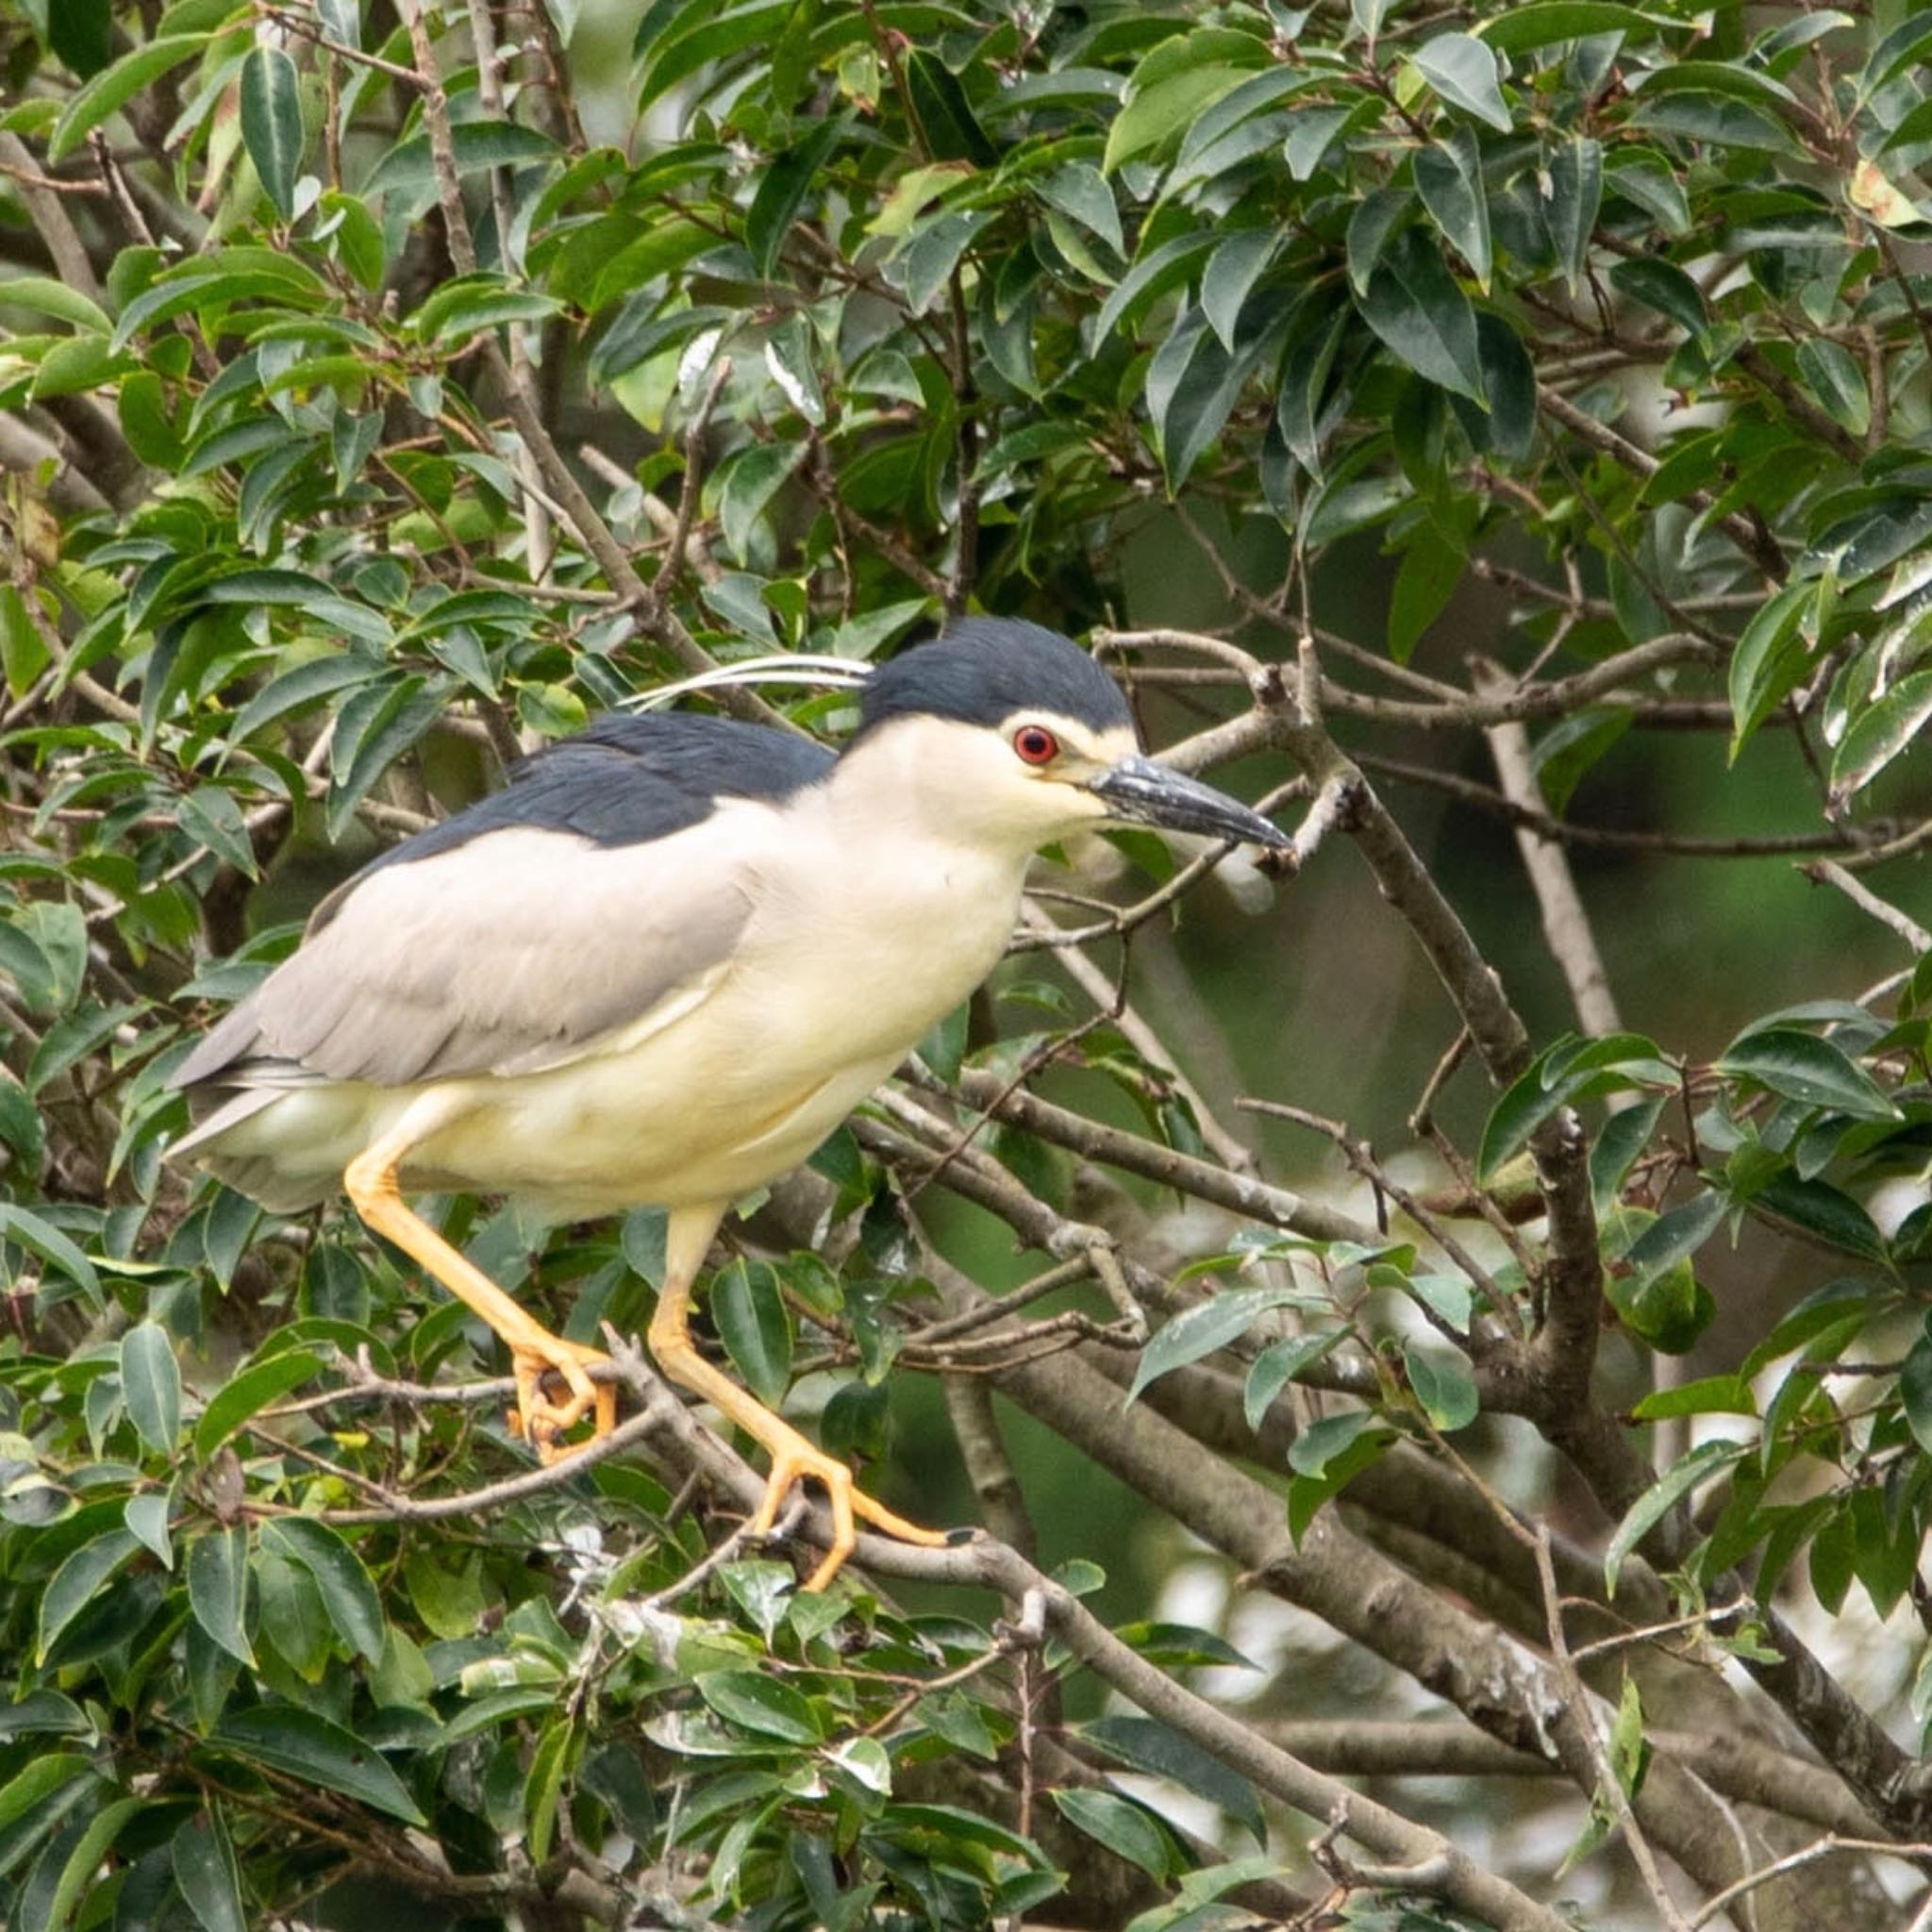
(1014,732)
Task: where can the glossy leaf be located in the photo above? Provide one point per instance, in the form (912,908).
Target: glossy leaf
(348,1592)
(1703,1462)
(1118,1823)
(1463,72)
(1415,306)
(218,1589)
(1200,1330)
(151,1385)
(1805,1068)
(314,1750)
(764,1705)
(755,1328)
(203,1859)
(250,1392)
(271,123)
(1443,1385)
(1449,179)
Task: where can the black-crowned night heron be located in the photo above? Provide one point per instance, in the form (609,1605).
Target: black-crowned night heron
(659,968)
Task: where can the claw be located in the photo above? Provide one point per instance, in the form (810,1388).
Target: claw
(542,1422)
(794,1461)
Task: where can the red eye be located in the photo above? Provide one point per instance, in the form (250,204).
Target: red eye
(1036,744)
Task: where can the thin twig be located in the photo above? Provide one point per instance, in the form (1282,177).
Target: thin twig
(1825,1847)
(1824,873)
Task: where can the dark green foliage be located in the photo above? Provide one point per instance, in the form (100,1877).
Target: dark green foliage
(879,312)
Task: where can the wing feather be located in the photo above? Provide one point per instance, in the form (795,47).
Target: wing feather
(518,950)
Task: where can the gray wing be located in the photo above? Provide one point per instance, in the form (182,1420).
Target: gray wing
(515,952)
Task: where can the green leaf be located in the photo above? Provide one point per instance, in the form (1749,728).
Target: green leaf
(45,296)
(61,1879)
(1822,1210)
(1326,1441)
(1372,224)
(1801,1067)
(1879,734)
(151,1386)
(749,1311)
(1192,386)
(1768,661)
(303,685)
(745,483)
(146,1517)
(348,1592)
(550,1763)
(1833,1558)
(1663,1496)
(1642,175)
(474,145)
(37,1797)
(1915,1390)
(73,366)
(1229,278)
(1420,312)
(471,304)
(1842,1306)
(146,424)
(1619,1141)
(309,1747)
(1443,1386)
(1449,179)
(945,115)
(1199,1331)
(765,1704)
(271,123)
(1567,1070)
(1709,1395)
(1079,189)
(1427,578)
(1628,1753)
(1175,84)
(1546,23)
(1150,276)
(203,1860)
(40,1236)
(1577,190)
(373,731)
(1121,1826)
(110,90)
(218,1589)
(81,33)
(1462,70)
(1837,381)
(248,1393)
(1144,1745)
(1279,1364)
(79,1581)
(782,192)
(1676,1236)
(1663,286)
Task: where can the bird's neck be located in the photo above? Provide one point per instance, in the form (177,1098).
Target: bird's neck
(921,782)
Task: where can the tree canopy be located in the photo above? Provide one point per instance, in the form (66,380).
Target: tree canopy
(1490,1285)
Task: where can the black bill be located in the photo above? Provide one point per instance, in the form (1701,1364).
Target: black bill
(1142,793)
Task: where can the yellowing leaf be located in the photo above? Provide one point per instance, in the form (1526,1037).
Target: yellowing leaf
(1872,192)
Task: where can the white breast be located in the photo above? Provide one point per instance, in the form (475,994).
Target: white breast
(843,971)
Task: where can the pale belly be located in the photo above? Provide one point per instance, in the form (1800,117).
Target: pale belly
(729,1094)
(718,1093)
(638,1129)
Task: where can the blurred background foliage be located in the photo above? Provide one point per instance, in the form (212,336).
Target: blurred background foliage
(1499,432)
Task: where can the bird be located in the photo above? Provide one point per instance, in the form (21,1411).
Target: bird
(659,968)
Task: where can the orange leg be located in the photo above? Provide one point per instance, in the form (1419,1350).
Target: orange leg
(370,1182)
(793,1458)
